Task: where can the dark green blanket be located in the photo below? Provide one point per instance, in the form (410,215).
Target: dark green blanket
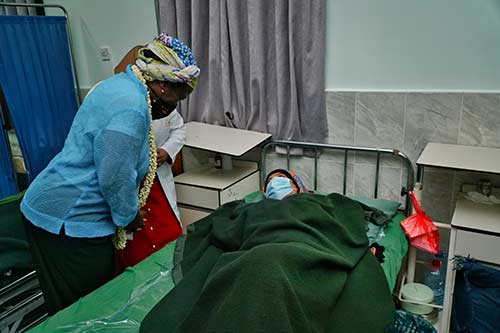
(296,265)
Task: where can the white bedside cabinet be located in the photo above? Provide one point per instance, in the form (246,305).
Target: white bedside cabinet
(475,228)
(475,231)
(201,191)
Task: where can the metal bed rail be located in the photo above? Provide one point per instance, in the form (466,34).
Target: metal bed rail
(10,321)
(319,148)
(16,288)
(22,301)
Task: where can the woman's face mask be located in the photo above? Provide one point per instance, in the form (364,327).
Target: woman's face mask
(278,188)
(161,109)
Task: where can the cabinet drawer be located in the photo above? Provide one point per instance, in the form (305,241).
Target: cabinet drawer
(239,190)
(190,215)
(197,196)
(212,198)
(479,246)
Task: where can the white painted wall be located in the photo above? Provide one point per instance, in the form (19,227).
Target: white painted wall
(430,45)
(435,45)
(119,24)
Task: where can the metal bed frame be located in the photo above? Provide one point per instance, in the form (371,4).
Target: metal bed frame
(11,319)
(407,272)
(318,148)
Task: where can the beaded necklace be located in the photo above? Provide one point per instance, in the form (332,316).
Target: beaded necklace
(120,236)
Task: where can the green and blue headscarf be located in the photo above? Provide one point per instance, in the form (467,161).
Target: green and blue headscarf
(177,61)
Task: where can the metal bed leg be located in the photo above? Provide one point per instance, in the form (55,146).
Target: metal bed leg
(377,173)
(288,157)
(412,260)
(412,252)
(344,188)
(316,154)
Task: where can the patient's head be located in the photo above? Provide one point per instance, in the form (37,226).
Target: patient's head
(282,183)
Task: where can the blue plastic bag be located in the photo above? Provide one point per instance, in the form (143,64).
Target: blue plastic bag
(405,322)
(476,300)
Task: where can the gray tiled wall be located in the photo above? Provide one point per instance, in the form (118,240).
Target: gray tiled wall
(404,121)
(407,121)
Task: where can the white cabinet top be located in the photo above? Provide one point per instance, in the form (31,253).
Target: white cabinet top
(224,140)
(481,217)
(458,157)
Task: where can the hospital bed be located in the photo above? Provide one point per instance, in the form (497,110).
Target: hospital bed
(121,304)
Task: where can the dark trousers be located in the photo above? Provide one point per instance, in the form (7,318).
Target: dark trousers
(69,268)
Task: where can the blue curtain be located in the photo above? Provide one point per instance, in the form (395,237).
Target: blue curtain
(37,81)
(7,182)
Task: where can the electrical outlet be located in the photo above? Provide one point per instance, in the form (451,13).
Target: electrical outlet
(105,53)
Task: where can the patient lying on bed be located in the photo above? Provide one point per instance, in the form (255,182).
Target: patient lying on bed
(281,183)
(300,264)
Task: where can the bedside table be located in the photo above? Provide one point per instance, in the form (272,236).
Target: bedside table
(203,190)
(475,231)
(475,228)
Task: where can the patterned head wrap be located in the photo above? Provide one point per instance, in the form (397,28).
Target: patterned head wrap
(177,62)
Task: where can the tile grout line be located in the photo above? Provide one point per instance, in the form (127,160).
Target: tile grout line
(404,137)
(404,120)
(355,141)
(355,117)
(460,118)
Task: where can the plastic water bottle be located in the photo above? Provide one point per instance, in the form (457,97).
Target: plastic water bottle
(434,279)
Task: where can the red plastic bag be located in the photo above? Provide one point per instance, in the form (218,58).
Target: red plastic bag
(420,230)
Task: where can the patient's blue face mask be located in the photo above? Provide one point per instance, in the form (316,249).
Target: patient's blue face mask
(278,188)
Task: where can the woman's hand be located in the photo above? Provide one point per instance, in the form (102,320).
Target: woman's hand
(137,223)
(162,156)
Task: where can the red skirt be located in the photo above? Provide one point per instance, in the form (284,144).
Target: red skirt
(160,227)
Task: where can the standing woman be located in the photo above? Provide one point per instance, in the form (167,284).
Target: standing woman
(90,189)
(161,217)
